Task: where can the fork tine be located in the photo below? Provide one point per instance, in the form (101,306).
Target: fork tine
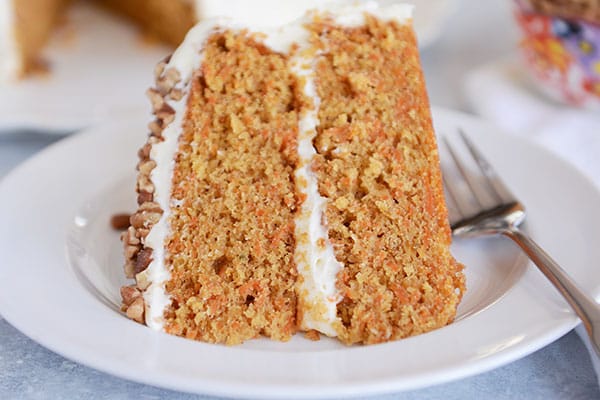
(491,177)
(455,214)
(473,186)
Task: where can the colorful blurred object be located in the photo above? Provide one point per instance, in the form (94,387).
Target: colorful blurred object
(563,56)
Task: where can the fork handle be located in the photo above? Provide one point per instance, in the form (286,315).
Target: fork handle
(586,308)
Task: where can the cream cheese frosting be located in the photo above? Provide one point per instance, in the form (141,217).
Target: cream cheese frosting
(314,255)
(10,61)
(263,13)
(315,258)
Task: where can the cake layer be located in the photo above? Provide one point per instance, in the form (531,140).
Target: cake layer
(378,169)
(232,228)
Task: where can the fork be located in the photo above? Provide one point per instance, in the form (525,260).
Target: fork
(493,210)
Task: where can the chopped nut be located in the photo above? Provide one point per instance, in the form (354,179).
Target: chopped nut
(167,81)
(137,220)
(160,67)
(167,118)
(129,238)
(142,233)
(154,139)
(144,197)
(136,310)
(129,269)
(156,99)
(129,294)
(151,206)
(176,94)
(155,129)
(130,252)
(146,217)
(144,152)
(146,166)
(144,184)
(144,258)
(312,335)
(166,113)
(142,280)
(119,221)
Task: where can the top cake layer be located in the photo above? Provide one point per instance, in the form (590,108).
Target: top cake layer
(291,181)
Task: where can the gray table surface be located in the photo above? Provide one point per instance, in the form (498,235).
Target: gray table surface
(478,32)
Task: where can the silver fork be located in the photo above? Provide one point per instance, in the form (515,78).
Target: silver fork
(493,210)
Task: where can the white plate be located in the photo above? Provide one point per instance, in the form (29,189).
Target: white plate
(101,67)
(61,270)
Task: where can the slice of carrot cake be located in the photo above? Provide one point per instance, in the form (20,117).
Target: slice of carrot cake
(291,182)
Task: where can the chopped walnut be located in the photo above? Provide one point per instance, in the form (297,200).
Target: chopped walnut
(144,184)
(176,94)
(136,310)
(144,258)
(166,113)
(142,280)
(129,294)
(144,197)
(146,166)
(312,335)
(119,221)
(167,81)
(129,269)
(155,129)
(144,152)
(156,99)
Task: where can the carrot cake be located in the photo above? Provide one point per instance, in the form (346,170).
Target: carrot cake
(291,183)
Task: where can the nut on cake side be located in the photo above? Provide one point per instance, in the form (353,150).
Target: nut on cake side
(137,256)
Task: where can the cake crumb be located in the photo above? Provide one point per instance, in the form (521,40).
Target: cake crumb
(312,335)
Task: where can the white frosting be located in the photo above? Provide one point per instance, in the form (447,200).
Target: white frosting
(10,60)
(353,14)
(262,13)
(314,255)
(275,13)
